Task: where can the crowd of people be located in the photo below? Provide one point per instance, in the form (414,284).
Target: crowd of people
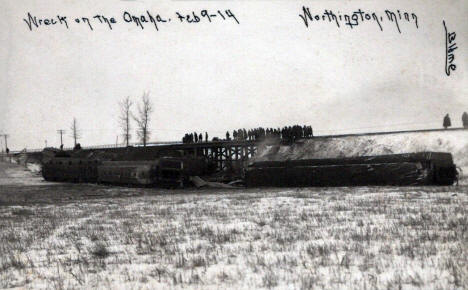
(194,137)
(287,133)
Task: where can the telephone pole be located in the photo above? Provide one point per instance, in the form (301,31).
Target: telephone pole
(61,132)
(6,142)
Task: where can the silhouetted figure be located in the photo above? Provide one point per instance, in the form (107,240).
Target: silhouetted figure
(228,136)
(465,120)
(447,122)
(77,146)
(186,138)
(7,150)
(196,137)
(206,136)
(200,137)
(61,146)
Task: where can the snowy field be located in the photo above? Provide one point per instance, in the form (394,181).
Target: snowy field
(62,236)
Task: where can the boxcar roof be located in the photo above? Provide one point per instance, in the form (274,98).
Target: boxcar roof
(405,157)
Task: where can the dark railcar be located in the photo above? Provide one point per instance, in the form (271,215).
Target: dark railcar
(165,172)
(70,169)
(424,168)
(137,173)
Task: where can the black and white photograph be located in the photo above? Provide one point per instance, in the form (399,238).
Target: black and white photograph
(241,144)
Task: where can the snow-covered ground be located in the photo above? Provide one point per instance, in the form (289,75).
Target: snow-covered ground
(326,238)
(14,174)
(34,167)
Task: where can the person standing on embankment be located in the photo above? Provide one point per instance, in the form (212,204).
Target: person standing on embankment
(465,120)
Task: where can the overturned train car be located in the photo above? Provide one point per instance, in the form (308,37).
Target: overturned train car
(423,168)
(128,172)
(164,172)
(70,169)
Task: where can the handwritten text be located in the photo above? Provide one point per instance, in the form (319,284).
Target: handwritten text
(141,21)
(450,47)
(358,17)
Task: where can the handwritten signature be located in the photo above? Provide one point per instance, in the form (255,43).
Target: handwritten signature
(450,47)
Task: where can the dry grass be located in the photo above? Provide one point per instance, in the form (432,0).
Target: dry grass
(386,238)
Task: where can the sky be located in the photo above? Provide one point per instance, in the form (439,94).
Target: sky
(269,70)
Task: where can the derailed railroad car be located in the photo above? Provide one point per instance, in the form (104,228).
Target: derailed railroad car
(423,168)
(132,173)
(162,172)
(70,169)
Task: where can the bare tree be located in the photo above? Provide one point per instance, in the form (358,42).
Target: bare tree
(124,119)
(143,119)
(75,132)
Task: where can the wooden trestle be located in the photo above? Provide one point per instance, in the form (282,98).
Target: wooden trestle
(223,153)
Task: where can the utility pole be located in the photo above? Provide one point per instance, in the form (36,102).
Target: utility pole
(75,132)
(6,142)
(61,132)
